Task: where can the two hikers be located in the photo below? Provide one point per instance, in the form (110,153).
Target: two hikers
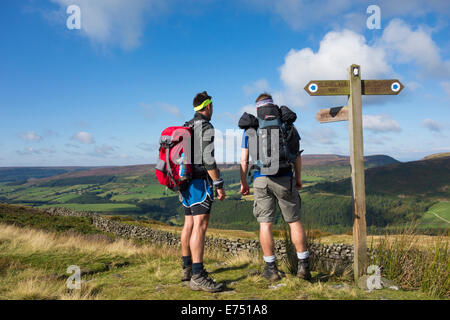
(276,184)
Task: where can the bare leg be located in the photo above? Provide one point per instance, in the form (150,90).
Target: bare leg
(266,238)
(197,242)
(186,235)
(298,236)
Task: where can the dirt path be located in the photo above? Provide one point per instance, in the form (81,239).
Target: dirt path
(440,217)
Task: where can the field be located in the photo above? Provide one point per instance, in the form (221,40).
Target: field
(437,216)
(33,265)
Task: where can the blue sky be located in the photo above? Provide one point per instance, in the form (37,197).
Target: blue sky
(101,95)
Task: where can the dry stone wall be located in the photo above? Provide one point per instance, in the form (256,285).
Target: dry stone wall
(338,257)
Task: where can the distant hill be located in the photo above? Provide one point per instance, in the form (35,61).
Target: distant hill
(310,160)
(437,155)
(136,170)
(429,177)
(337,160)
(17,174)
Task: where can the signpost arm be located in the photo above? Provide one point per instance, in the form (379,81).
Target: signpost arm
(357,165)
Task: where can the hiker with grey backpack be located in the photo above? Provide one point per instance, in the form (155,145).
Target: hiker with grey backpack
(272,143)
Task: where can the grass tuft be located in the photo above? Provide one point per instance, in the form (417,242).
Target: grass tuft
(403,261)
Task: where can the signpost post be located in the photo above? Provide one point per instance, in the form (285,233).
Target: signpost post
(354,88)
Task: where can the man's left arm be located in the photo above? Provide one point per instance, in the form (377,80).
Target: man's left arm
(209,162)
(245,189)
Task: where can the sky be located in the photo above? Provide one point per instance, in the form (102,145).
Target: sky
(102,94)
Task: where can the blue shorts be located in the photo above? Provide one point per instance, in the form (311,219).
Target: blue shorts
(198,197)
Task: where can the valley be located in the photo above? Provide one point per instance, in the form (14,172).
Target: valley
(398,194)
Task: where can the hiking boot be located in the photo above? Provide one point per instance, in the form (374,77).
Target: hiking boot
(186,273)
(271,272)
(202,281)
(303,269)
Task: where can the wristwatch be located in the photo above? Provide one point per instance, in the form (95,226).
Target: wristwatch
(218,184)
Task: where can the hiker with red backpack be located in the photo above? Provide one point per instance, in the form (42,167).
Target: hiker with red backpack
(187,165)
(272,142)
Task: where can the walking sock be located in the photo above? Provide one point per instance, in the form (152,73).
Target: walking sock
(187,261)
(302,255)
(269,260)
(197,267)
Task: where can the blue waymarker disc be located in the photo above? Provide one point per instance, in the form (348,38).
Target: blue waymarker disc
(395,87)
(313,87)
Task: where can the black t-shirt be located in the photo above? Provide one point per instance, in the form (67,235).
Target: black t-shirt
(202,146)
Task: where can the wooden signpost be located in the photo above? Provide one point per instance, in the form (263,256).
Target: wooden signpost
(354,88)
(332,114)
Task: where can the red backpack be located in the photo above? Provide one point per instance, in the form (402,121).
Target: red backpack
(174,165)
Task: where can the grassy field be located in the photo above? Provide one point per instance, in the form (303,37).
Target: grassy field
(33,265)
(97,207)
(36,248)
(29,217)
(438,216)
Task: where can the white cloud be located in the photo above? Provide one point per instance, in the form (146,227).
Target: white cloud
(104,149)
(230,117)
(446,86)
(322,136)
(433,125)
(407,45)
(115,22)
(83,137)
(173,110)
(71,145)
(151,111)
(256,87)
(380,123)
(250,108)
(148,147)
(300,15)
(337,51)
(413,8)
(30,136)
(73,153)
(31,150)
(399,44)
(82,124)
(233,117)
(413,85)
(374,140)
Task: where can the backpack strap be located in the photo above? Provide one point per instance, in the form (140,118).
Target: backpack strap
(191,123)
(161,166)
(269,123)
(169,169)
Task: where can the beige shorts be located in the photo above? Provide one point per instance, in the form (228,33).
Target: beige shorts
(268,191)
